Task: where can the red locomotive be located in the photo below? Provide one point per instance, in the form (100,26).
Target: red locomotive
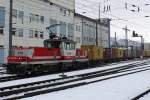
(58,53)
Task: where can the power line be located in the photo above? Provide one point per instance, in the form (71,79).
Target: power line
(92,13)
(128,21)
(133,23)
(84,5)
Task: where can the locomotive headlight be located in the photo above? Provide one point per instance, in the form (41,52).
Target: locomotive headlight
(19,58)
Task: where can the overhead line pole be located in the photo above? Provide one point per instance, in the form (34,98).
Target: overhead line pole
(126,40)
(116,45)
(142,46)
(99,11)
(126,35)
(98,21)
(10,27)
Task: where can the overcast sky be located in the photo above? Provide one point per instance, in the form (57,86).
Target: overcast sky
(121,16)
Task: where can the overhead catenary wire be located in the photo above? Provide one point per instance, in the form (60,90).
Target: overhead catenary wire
(111,15)
(44,9)
(133,23)
(92,14)
(80,4)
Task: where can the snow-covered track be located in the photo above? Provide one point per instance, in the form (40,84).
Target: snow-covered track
(142,95)
(4,77)
(46,86)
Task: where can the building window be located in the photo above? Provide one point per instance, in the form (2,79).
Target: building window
(1,30)
(13,31)
(36,18)
(21,14)
(31,32)
(31,18)
(42,19)
(18,14)
(70,29)
(18,32)
(78,28)
(65,12)
(1,46)
(53,22)
(14,13)
(2,16)
(36,34)
(63,28)
(41,35)
(78,40)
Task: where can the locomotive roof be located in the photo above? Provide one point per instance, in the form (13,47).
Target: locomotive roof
(60,40)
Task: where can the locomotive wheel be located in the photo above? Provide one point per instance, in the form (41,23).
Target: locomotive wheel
(74,65)
(60,66)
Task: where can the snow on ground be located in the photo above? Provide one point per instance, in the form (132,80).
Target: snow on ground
(1,67)
(122,88)
(146,97)
(47,77)
(101,68)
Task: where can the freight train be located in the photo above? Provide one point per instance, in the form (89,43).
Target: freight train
(60,53)
(57,53)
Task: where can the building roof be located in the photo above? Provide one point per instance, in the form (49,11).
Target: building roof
(102,21)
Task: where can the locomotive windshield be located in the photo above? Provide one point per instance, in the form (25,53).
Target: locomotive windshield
(69,46)
(53,44)
(63,44)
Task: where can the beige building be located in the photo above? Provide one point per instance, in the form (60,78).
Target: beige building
(30,19)
(89,31)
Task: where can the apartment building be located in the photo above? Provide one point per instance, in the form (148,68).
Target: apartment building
(90,31)
(30,19)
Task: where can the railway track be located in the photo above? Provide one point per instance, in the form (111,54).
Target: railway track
(142,95)
(4,77)
(46,86)
(2,71)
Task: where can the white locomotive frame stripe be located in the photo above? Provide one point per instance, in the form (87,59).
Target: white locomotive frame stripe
(82,60)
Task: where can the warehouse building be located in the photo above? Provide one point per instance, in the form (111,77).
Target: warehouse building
(103,33)
(30,19)
(90,31)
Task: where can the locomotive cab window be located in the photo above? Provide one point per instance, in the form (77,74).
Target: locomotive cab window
(62,44)
(69,46)
(52,44)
